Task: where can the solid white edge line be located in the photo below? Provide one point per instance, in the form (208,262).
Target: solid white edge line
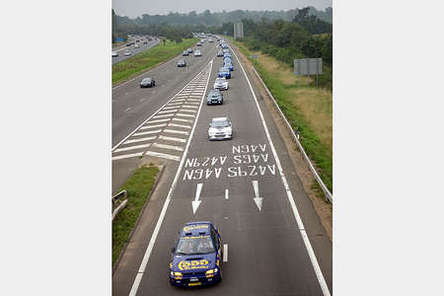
(152,115)
(153,238)
(311,254)
(225,253)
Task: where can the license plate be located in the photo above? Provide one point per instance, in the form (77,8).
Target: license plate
(195,284)
(194,279)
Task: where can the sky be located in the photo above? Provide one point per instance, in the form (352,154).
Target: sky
(135,8)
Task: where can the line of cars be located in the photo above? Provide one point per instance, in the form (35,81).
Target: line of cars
(221,128)
(196,53)
(136,44)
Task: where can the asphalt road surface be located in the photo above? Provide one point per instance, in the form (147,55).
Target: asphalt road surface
(274,240)
(142,47)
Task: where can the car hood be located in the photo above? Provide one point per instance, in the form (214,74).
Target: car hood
(220,82)
(219,129)
(189,263)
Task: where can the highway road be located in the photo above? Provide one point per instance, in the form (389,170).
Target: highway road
(250,190)
(142,47)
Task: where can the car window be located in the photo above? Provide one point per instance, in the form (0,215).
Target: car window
(195,245)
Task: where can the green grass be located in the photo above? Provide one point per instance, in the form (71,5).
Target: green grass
(139,185)
(320,153)
(146,60)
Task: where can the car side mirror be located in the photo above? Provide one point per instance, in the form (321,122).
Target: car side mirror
(173,249)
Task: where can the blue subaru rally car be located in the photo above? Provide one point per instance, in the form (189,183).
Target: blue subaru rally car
(197,258)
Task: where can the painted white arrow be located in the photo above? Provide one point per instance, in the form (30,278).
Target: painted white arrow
(196,202)
(257,199)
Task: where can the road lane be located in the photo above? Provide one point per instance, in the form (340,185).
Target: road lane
(131,104)
(134,51)
(267,252)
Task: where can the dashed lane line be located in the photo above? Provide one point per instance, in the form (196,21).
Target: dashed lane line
(180,125)
(166,138)
(165,146)
(163,155)
(147,133)
(132,148)
(139,140)
(153,126)
(127,156)
(176,132)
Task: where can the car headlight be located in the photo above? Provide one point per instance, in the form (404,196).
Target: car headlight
(177,275)
(211,272)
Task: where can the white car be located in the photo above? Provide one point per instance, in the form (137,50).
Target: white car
(197,53)
(220,128)
(115,54)
(136,46)
(127,53)
(221,83)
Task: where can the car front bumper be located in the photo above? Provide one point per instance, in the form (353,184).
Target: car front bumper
(195,281)
(220,137)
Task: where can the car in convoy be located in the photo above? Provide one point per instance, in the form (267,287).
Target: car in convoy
(225,50)
(115,54)
(197,53)
(198,44)
(181,63)
(136,46)
(227,60)
(127,53)
(229,66)
(185,53)
(220,53)
(227,55)
(190,50)
(145,42)
(196,260)
(221,83)
(215,97)
(147,82)
(224,72)
(220,128)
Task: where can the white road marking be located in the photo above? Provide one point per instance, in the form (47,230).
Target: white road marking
(163,155)
(159,120)
(169,108)
(179,100)
(132,148)
(196,202)
(127,156)
(311,254)
(139,140)
(175,132)
(163,116)
(180,119)
(184,115)
(180,125)
(190,107)
(190,111)
(171,147)
(153,126)
(153,238)
(225,253)
(147,133)
(168,111)
(257,199)
(172,139)
(226,193)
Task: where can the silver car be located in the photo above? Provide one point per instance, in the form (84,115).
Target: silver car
(197,53)
(127,53)
(221,83)
(215,97)
(220,128)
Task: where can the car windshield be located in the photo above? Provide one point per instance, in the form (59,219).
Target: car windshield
(223,70)
(219,123)
(221,80)
(195,245)
(147,80)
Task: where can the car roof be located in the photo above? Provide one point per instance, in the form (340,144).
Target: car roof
(196,228)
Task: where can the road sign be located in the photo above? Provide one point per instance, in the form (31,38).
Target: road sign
(310,66)
(238,31)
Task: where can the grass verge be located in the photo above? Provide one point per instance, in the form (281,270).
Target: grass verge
(307,108)
(146,60)
(139,186)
